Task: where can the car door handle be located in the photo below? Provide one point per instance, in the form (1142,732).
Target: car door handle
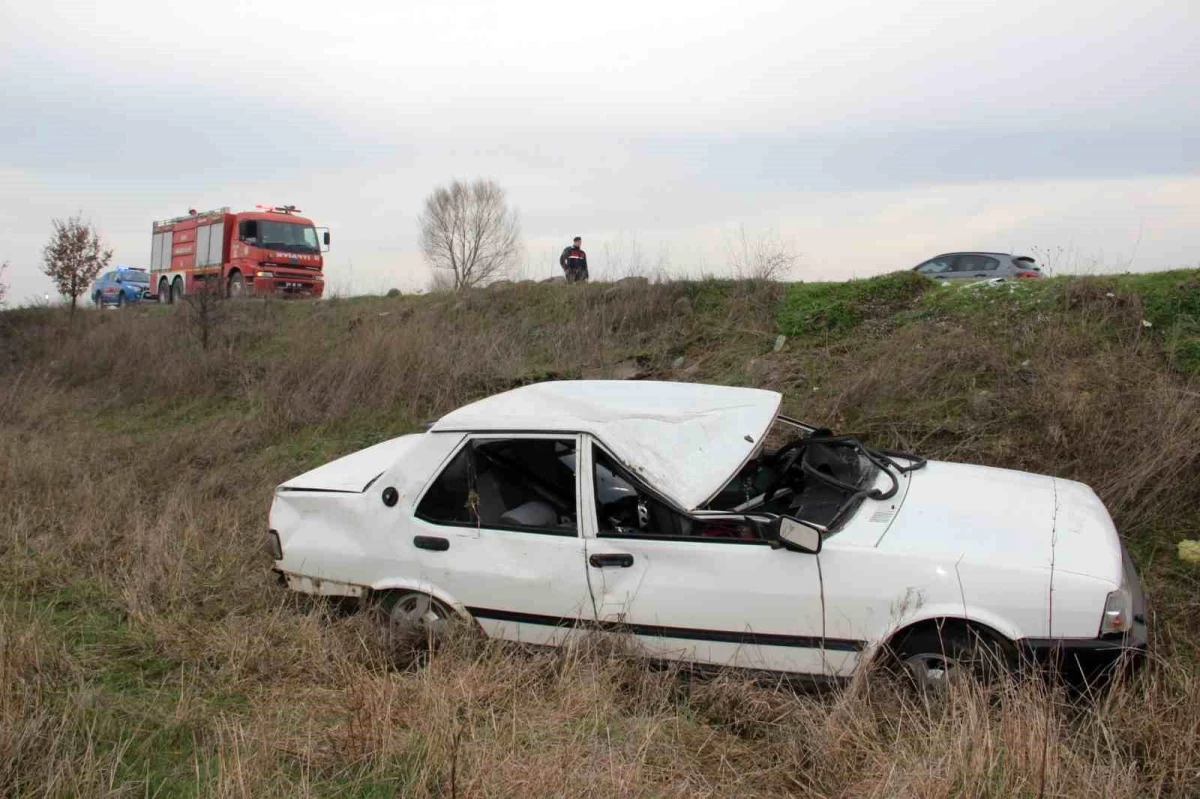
(600,561)
(431,542)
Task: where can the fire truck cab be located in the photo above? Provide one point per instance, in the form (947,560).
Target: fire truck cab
(271,251)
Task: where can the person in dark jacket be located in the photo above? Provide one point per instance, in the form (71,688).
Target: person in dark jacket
(574,262)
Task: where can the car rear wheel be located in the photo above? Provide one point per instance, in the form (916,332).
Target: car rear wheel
(935,659)
(414,621)
(121,300)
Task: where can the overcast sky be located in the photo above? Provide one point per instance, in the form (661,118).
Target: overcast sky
(868,135)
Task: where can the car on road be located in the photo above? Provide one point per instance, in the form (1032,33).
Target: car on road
(121,286)
(714,530)
(979,266)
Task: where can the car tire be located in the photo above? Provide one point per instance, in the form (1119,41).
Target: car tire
(96,299)
(177,290)
(236,288)
(121,300)
(164,293)
(935,658)
(414,622)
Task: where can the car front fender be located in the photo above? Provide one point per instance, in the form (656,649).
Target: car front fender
(943,612)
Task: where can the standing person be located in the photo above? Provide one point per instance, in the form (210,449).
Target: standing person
(574,262)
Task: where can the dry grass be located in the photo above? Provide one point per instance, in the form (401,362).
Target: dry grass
(144,649)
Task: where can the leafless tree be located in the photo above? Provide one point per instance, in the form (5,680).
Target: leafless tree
(206,310)
(469,231)
(74,256)
(3,286)
(761,257)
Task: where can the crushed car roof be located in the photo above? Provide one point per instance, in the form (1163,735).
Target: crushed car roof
(684,439)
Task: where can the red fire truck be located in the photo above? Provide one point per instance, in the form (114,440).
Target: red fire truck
(266,252)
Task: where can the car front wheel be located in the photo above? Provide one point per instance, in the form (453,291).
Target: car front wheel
(237,286)
(937,658)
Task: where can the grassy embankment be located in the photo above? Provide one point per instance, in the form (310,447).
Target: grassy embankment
(144,649)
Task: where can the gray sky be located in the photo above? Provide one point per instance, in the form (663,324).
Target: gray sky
(869,135)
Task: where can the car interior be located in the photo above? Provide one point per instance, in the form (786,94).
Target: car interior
(507,483)
(625,509)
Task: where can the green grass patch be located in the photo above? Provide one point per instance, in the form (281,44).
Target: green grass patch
(838,308)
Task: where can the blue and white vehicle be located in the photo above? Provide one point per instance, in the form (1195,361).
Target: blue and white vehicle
(121,286)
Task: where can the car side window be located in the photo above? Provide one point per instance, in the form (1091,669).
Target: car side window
(976,263)
(626,510)
(525,484)
(937,265)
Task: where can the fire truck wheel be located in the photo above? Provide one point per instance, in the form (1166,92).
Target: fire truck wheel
(164,293)
(237,286)
(177,290)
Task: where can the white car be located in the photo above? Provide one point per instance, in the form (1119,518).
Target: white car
(671,512)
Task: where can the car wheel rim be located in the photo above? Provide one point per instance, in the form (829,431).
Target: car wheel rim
(417,615)
(932,671)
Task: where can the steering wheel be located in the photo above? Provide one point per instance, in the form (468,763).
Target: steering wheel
(787,449)
(789,457)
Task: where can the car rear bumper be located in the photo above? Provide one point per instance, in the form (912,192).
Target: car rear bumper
(1092,659)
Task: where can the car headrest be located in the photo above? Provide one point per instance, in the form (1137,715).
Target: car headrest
(530,514)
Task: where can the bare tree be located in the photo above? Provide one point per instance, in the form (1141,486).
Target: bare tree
(3,286)
(469,231)
(74,256)
(206,311)
(761,257)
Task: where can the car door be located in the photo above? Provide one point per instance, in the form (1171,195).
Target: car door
(701,589)
(498,531)
(975,266)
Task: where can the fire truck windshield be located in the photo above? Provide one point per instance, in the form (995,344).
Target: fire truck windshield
(289,237)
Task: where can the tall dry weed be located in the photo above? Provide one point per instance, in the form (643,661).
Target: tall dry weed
(144,648)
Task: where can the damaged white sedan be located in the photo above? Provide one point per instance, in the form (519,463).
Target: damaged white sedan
(715,531)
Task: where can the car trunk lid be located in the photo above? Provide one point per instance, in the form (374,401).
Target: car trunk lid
(353,473)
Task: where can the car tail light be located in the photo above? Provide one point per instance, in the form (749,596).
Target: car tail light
(1029,274)
(276,547)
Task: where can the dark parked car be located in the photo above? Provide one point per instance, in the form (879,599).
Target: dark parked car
(120,286)
(979,266)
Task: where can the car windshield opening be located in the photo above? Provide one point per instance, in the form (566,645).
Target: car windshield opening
(813,475)
(135,277)
(288,236)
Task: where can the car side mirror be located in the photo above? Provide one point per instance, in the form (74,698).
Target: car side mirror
(795,535)
(325,238)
